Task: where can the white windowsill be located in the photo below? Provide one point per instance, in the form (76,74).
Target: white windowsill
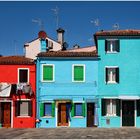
(47,117)
(111,82)
(108,52)
(23,116)
(110,116)
(81,117)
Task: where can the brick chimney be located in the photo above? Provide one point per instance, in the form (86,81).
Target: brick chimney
(60,35)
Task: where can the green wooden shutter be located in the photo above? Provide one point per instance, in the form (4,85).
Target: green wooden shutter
(47,73)
(53,109)
(103,107)
(41,109)
(138,107)
(117,107)
(72,110)
(83,109)
(78,73)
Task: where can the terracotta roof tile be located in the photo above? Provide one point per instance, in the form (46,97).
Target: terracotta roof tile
(15,60)
(118,32)
(68,54)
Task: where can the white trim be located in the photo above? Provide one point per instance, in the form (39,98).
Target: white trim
(111,66)
(129,97)
(27,73)
(53,73)
(83,73)
(110,97)
(23,99)
(11,110)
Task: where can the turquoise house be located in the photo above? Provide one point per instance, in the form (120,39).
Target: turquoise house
(118,78)
(67,88)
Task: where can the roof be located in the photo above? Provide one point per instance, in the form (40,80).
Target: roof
(127,32)
(15,60)
(80,52)
(84,49)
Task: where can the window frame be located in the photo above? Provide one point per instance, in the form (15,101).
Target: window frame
(111,108)
(49,81)
(83,65)
(24,100)
(111,67)
(48,116)
(111,50)
(27,74)
(75,109)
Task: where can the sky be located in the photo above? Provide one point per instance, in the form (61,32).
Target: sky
(17,26)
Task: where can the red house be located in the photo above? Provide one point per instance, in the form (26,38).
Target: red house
(17,92)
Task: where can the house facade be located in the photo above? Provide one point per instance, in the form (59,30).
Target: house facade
(119,78)
(67,89)
(17,92)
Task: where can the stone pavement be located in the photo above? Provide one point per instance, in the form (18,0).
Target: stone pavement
(70,133)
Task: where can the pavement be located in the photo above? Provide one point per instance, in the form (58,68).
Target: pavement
(70,133)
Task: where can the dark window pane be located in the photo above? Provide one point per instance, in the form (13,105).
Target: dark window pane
(47,109)
(23,76)
(78,109)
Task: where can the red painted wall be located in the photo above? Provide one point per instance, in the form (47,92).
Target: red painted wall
(9,74)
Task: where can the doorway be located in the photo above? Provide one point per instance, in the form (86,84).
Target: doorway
(5,114)
(64,114)
(128,113)
(90,114)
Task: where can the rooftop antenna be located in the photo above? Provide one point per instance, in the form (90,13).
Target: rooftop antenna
(96,23)
(56,12)
(116,26)
(39,22)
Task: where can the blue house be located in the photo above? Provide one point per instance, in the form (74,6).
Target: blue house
(67,88)
(118,78)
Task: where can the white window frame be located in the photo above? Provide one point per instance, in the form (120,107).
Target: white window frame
(53,73)
(110,67)
(23,69)
(111,108)
(23,100)
(73,73)
(111,49)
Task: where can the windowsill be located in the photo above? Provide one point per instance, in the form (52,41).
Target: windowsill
(111,52)
(47,117)
(107,116)
(113,82)
(78,81)
(81,117)
(23,116)
(47,81)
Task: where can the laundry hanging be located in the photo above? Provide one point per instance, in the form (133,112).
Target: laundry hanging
(5,89)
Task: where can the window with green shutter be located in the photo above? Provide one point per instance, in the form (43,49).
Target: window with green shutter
(78,73)
(41,109)
(48,73)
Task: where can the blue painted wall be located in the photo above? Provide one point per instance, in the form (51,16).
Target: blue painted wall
(128,61)
(64,88)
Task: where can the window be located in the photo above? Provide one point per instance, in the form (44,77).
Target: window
(78,73)
(78,109)
(23,76)
(110,107)
(112,46)
(48,73)
(47,109)
(23,108)
(112,75)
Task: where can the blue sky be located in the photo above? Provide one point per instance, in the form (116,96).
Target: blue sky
(16,26)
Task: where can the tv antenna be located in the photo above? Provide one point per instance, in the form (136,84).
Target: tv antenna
(56,12)
(96,23)
(39,22)
(116,26)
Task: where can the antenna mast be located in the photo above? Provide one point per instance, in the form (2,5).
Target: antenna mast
(96,23)
(116,26)
(39,22)
(56,12)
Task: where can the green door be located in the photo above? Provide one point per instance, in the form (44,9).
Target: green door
(128,113)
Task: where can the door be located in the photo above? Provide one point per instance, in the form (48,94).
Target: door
(63,114)
(128,113)
(6,114)
(90,114)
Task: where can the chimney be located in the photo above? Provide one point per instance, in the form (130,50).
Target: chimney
(60,35)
